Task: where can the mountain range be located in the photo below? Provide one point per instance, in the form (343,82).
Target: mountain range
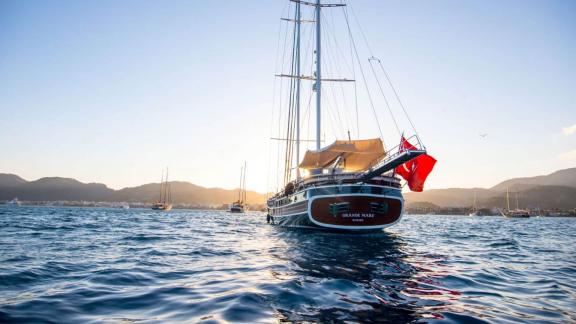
(55,189)
(556,190)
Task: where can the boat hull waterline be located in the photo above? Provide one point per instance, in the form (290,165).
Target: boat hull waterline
(237,209)
(164,207)
(346,212)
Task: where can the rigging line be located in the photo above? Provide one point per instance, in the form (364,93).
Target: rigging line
(281,94)
(291,114)
(349,68)
(310,93)
(337,109)
(274,85)
(287,156)
(306,115)
(385,98)
(333,114)
(280,105)
(386,74)
(306,61)
(289,109)
(332,121)
(332,25)
(281,99)
(331,63)
(360,28)
(331,86)
(308,109)
(363,75)
(344,11)
(398,99)
(338,117)
(307,67)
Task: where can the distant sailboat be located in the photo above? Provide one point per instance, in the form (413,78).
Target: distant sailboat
(238,206)
(514,213)
(165,201)
(474,211)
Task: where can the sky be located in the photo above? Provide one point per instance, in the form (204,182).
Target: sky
(114,91)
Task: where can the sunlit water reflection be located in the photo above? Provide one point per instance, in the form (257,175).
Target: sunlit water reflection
(83,264)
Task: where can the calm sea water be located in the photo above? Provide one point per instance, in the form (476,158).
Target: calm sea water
(104,265)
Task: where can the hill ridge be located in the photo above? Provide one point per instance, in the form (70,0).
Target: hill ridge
(555,190)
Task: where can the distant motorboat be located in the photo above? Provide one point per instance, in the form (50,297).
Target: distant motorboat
(165,201)
(125,206)
(14,202)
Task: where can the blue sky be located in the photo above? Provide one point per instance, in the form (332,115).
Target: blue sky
(113,91)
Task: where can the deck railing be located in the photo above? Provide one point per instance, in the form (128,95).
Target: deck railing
(395,157)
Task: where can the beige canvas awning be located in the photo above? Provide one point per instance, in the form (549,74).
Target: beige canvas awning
(355,155)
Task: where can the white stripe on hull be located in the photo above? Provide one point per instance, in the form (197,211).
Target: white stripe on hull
(282,220)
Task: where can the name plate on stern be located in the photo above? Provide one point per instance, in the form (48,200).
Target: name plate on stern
(356,210)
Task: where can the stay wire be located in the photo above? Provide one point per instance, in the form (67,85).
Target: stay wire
(398,99)
(384,96)
(385,73)
(363,74)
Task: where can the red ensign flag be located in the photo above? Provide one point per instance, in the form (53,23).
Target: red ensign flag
(416,170)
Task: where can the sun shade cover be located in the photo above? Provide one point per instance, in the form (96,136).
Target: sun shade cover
(355,155)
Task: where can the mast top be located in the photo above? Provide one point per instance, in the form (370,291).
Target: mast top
(318,4)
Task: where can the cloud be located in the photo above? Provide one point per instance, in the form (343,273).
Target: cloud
(569,156)
(569,130)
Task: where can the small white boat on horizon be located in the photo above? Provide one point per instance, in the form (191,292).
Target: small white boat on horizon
(14,202)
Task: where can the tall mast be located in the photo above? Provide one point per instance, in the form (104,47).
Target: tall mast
(169,193)
(507,198)
(240,187)
(166,187)
(318,85)
(244,185)
(298,24)
(161,186)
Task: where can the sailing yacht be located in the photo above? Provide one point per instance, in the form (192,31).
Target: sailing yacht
(474,211)
(238,206)
(514,213)
(165,201)
(350,185)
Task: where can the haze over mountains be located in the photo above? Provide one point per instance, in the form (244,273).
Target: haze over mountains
(556,190)
(55,188)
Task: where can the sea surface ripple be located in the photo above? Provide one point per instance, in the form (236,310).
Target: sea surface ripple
(70,265)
